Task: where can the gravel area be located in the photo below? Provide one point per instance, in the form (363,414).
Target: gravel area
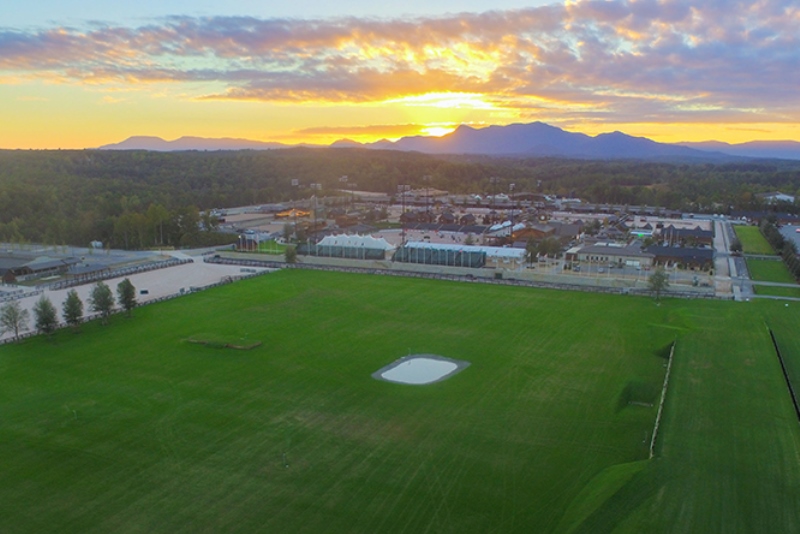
(158,283)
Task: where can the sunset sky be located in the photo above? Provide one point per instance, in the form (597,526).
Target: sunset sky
(83,73)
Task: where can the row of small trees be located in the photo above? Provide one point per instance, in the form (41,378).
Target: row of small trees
(14,318)
(784,247)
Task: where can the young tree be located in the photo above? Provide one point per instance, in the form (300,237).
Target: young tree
(101,301)
(126,296)
(290,254)
(187,219)
(209,222)
(73,309)
(156,216)
(13,318)
(532,248)
(658,282)
(550,246)
(46,318)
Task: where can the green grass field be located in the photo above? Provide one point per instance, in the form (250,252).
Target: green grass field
(773,291)
(752,240)
(769,271)
(271,247)
(130,428)
(789,344)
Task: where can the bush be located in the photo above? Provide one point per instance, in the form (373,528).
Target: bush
(290,254)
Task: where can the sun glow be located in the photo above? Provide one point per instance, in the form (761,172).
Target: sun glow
(445,101)
(437,131)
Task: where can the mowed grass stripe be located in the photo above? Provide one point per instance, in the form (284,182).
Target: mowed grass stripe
(769,271)
(784,327)
(773,291)
(752,240)
(176,437)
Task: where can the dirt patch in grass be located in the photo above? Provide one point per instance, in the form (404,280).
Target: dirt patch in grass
(218,343)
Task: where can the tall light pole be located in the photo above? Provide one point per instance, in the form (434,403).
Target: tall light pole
(494,180)
(427,180)
(315,188)
(296,185)
(343,180)
(353,186)
(402,189)
(511,228)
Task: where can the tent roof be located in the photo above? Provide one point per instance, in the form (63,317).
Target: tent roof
(492,252)
(345,240)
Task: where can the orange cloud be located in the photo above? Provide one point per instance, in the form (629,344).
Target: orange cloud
(655,60)
(391,131)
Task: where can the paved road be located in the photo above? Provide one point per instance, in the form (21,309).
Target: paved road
(723,267)
(737,277)
(791,233)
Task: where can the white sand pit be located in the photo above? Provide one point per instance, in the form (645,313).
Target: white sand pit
(420,369)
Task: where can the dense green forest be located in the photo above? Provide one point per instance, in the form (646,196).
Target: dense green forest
(138,199)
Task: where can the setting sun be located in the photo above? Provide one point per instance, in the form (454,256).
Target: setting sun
(437,131)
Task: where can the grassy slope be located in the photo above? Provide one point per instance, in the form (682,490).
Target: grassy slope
(102,434)
(752,240)
(729,460)
(769,271)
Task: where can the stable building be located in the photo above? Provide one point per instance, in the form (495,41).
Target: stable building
(684,257)
(616,254)
(536,232)
(14,267)
(686,236)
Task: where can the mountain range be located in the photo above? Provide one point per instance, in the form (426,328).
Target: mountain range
(156,144)
(532,140)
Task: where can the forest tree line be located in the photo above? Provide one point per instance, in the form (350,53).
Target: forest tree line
(140,199)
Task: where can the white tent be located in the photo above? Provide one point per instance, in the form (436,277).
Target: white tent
(502,229)
(355,241)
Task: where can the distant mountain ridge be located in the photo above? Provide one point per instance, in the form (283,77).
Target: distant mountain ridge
(539,139)
(156,144)
(535,139)
(752,149)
